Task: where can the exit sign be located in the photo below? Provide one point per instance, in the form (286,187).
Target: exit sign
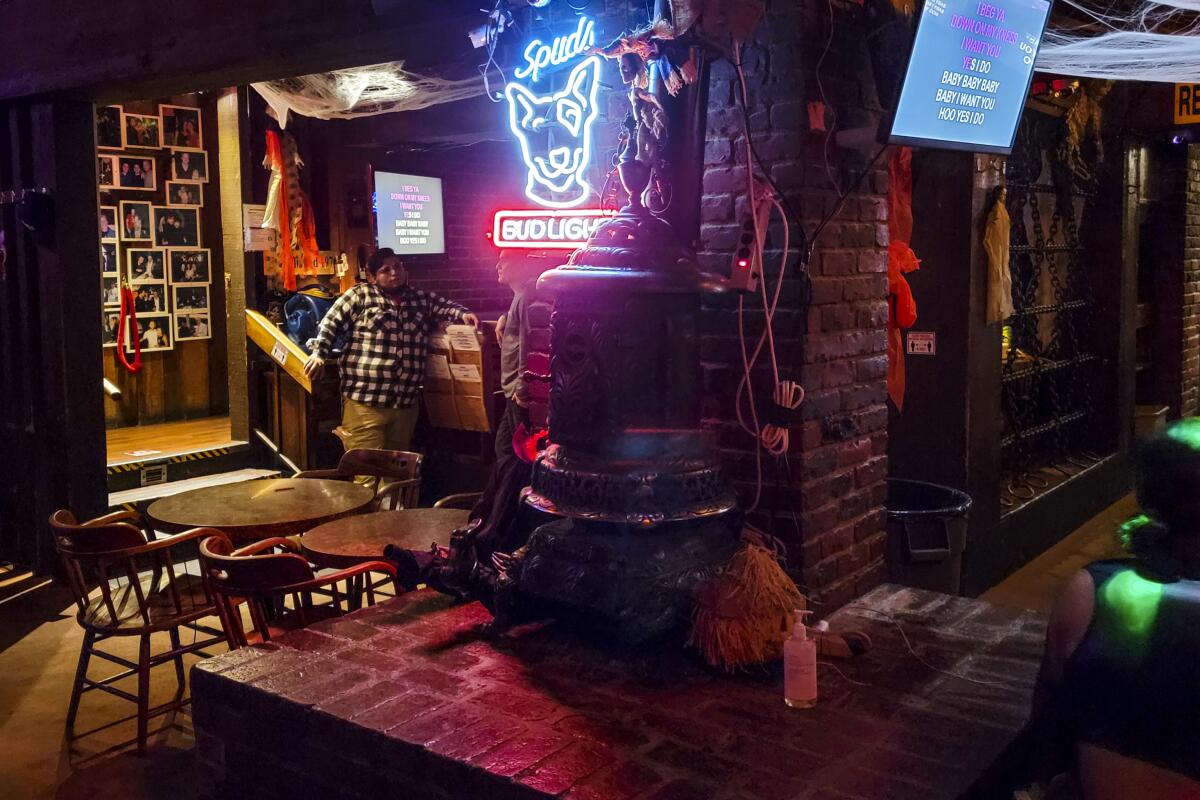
(1187,103)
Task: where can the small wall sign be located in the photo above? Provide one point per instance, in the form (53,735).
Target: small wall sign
(922,343)
(1187,103)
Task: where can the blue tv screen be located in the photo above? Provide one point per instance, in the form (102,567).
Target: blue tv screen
(408,213)
(969,74)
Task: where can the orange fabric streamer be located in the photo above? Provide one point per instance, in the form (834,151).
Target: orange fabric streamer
(902,307)
(282,217)
(289,211)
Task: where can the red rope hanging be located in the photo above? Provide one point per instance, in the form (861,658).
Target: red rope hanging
(128,312)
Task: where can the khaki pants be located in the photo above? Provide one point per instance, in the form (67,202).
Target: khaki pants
(376,428)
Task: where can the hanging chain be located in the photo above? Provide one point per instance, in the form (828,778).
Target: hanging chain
(1047,376)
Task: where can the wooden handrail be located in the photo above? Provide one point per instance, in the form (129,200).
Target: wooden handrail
(276,344)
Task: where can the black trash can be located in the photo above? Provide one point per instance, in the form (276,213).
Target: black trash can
(926,535)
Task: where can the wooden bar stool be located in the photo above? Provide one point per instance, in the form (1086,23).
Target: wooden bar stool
(125,585)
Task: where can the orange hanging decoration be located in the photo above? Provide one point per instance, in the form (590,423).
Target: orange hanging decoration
(289,211)
(277,215)
(902,307)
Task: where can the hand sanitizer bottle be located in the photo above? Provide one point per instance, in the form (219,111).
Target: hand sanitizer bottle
(800,666)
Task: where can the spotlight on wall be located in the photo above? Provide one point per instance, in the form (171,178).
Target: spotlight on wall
(497,21)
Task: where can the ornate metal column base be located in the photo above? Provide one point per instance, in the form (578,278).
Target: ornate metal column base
(629,583)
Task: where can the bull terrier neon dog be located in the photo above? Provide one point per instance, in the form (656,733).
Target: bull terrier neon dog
(555,133)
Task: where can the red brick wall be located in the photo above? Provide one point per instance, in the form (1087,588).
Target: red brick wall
(1189,394)
(825,500)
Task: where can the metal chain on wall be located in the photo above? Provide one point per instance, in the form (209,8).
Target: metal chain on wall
(1050,375)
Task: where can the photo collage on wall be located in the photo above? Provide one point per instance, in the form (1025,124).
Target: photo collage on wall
(151,172)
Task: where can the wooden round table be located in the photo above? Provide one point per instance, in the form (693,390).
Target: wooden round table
(253,510)
(353,540)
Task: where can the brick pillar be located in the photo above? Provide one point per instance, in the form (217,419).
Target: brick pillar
(1189,384)
(825,501)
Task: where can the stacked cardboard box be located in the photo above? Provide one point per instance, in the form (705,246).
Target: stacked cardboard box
(454,396)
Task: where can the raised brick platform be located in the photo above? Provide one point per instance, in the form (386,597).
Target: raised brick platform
(406,700)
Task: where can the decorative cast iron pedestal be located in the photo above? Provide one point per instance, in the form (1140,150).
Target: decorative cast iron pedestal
(647,508)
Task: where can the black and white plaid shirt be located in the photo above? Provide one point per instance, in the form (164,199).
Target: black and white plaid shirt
(383,363)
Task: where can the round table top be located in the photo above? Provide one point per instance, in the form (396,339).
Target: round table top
(252,510)
(353,540)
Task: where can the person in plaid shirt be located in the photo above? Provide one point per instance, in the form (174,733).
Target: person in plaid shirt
(387,325)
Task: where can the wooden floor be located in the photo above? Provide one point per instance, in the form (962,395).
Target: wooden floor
(1036,584)
(169,438)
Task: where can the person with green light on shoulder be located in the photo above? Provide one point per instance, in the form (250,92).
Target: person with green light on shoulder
(1120,680)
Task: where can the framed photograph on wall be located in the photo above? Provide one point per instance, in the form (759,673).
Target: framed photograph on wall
(150,298)
(192,325)
(185,194)
(110,291)
(108,127)
(108,259)
(141,130)
(106,172)
(152,330)
(136,173)
(189,266)
(176,227)
(108,223)
(180,126)
(111,323)
(189,165)
(190,298)
(145,265)
(134,219)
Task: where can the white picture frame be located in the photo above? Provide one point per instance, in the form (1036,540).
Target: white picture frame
(150,342)
(175,227)
(189,164)
(187,299)
(175,190)
(106,172)
(189,266)
(107,226)
(174,123)
(145,265)
(136,173)
(137,228)
(110,323)
(141,131)
(193,326)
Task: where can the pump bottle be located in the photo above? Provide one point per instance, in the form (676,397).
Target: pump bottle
(800,666)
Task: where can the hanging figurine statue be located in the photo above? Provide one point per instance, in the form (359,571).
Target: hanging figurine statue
(641,164)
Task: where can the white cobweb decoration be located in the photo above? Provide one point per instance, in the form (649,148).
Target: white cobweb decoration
(362,92)
(1158,40)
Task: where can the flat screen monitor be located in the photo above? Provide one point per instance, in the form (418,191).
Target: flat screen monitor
(969,74)
(408,214)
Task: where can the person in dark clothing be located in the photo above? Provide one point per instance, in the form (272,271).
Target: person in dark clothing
(519,271)
(1118,685)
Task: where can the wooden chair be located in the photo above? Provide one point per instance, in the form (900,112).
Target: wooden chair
(465,500)
(397,474)
(127,585)
(262,579)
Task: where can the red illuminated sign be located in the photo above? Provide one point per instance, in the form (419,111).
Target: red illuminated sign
(546,229)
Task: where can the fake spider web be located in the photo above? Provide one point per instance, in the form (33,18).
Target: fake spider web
(362,92)
(1159,40)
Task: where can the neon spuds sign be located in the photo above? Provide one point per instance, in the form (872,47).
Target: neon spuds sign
(554,129)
